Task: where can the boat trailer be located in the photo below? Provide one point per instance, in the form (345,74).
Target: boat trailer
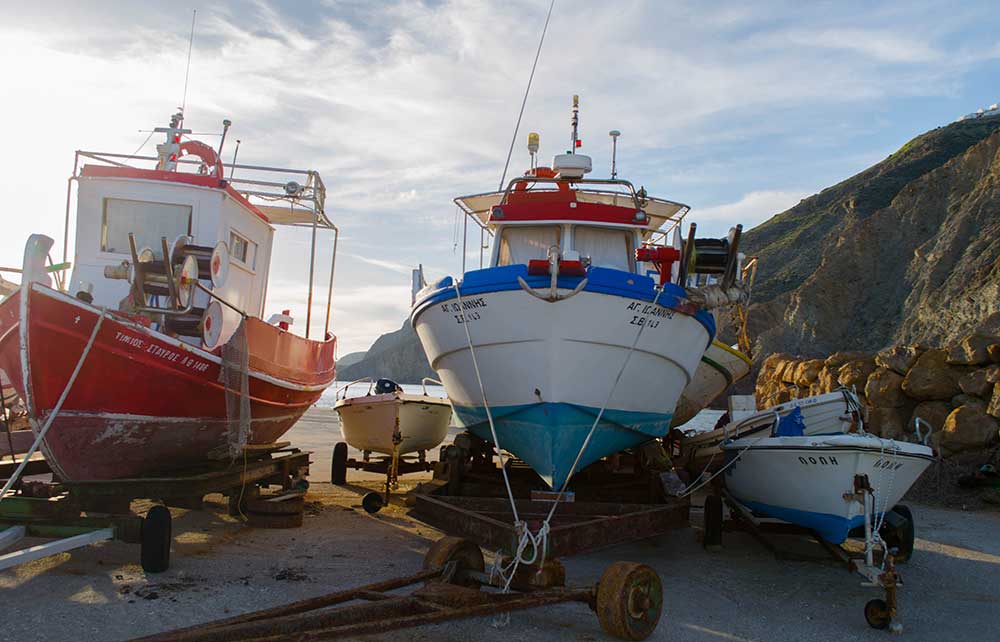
(78,514)
(876,564)
(628,601)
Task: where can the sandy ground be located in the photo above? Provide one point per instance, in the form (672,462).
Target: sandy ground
(220,567)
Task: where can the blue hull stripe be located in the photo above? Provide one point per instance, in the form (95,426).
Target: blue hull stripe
(548,436)
(832,528)
(599,280)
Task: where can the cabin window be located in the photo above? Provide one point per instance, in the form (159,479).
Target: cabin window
(242,249)
(605,247)
(150,222)
(522,243)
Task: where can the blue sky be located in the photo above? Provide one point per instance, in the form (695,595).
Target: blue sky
(738,109)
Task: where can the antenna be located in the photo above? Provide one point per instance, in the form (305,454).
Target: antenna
(187,70)
(232,168)
(226,124)
(575,142)
(614,134)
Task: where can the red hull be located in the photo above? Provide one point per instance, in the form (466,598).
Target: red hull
(144,403)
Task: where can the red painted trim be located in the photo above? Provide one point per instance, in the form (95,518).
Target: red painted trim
(552,208)
(106,171)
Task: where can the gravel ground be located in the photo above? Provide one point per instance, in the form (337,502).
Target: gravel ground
(221,567)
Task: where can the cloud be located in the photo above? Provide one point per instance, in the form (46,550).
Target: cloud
(750,210)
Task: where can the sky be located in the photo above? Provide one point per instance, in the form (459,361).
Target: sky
(739,109)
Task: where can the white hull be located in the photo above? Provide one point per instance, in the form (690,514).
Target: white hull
(720,367)
(824,414)
(803,480)
(368,423)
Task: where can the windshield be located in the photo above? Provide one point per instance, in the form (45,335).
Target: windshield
(522,243)
(605,247)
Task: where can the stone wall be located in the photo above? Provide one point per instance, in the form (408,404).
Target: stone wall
(956,388)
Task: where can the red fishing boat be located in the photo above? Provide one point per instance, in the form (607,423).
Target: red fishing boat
(155,355)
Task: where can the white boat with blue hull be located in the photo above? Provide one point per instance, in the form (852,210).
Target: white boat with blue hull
(565,337)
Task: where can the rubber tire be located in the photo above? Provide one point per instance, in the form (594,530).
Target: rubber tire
(713,522)
(903,538)
(877,614)
(614,600)
(338,468)
(372,502)
(154,551)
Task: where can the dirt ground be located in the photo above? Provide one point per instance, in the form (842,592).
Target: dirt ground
(220,567)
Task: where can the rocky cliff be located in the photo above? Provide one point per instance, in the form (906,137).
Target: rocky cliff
(906,251)
(397,356)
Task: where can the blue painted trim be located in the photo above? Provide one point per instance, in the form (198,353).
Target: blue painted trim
(599,280)
(547,436)
(832,528)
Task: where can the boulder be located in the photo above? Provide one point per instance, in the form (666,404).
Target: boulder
(967,400)
(854,374)
(933,412)
(980,382)
(787,373)
(968,428)
(837,359)
(994,352)
(827,379)
(885,388)
(773,359)
(898,358)
(993,408)
(807,372)
(885,422)
(972,350)
(931,377)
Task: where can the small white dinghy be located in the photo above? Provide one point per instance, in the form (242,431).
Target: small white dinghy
(810,480)
(827,414)
(390,422)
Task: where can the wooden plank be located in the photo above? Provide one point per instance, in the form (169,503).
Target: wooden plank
(51,548)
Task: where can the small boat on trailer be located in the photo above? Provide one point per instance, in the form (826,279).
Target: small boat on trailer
(721,366)
(566,350)
(390,422)
(831,413)
(158,356)
(833,487)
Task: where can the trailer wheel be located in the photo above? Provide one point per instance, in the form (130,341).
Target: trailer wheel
(877,614)
(468,556)
(372,502)
(713,523)
(154,549)
(898,532)
(338,469)
(629,600)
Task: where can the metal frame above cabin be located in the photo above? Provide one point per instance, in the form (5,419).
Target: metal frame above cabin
(306,208)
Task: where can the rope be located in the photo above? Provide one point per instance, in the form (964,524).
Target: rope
(58,407)
(525,101)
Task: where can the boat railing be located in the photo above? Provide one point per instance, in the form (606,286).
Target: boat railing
(423,383)
(341,392)
(276,191)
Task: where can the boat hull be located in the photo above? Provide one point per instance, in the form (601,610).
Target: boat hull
(368,423)
(803,480)
(825,414)
(721,366)
(145,403)
(548,367)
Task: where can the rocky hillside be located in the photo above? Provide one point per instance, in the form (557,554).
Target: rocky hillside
(397,356)
(955,389)
(907,251)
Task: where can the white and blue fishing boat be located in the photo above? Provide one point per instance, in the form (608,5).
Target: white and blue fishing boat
(580,314)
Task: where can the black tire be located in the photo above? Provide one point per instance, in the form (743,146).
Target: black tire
(713,522)
(372,503)
(338,469)
(155,542)
(899,532)
(877,614)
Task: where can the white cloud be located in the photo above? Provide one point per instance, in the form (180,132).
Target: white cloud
(750,210)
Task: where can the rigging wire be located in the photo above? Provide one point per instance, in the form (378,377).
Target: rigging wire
(187,70)
(524,102)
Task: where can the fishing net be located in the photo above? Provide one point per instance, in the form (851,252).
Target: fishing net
(235,376)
